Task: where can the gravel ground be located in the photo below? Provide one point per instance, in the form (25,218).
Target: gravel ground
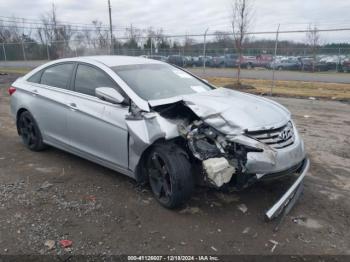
(52,195)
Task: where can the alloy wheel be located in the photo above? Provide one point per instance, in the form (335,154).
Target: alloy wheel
(27,130)
(160,178)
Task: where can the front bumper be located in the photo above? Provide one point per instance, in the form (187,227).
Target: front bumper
(287,201)
(276,160)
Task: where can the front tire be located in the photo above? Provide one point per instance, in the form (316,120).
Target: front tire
(30,132)
(170,176)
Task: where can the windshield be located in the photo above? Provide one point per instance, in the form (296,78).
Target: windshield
(159,81)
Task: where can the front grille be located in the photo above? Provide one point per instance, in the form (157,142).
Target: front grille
(277,138)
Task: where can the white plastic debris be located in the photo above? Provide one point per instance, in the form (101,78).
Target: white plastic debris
(218,170)
(246,230)
(45,185)
(243,208)
(50,244)
(190,210)
(275,243)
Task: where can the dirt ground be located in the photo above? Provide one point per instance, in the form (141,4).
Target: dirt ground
(53,195)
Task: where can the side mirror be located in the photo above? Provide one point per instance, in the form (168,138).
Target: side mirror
(109,94)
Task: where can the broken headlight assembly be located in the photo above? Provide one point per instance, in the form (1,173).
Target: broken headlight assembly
(220,158)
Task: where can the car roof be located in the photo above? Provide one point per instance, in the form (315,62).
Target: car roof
(114,60)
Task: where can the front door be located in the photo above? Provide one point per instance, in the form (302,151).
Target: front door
(97,128)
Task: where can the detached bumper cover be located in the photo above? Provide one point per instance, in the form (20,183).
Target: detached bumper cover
(287,201)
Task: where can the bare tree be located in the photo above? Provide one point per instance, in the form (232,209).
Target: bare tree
(241,20)
(188,45)
(222,39)
(54,34)
(11,33)
(101,35)
(313,41)
(133,34)
(151,39)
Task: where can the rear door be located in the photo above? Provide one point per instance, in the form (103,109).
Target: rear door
(97,128)
(51,89)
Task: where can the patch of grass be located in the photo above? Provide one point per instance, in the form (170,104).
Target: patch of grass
(15,70)
(333,91)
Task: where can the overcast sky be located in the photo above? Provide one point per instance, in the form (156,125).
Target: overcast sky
(194,16)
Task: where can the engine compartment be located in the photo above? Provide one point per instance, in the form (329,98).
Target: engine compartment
(219,160)
(222,151)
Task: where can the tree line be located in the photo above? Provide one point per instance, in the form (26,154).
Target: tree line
(53,39)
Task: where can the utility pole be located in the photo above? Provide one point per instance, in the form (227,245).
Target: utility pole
(274,61)
(339,61)
(110,25)
(23,51)
(47,51)
(204,49)
(4,50)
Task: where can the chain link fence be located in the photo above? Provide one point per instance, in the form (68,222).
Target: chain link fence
(215,50)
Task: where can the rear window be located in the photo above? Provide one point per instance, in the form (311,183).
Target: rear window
(35,78)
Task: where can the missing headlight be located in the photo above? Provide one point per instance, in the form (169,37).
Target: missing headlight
(202,141)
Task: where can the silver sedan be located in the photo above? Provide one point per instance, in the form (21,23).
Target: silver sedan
(160,124)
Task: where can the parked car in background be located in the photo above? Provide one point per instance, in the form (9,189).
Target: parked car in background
(159,58)
(311,65)
(195,60)
(331,61)
(208,61)
(156,123)
(189,61)
(177,60)
(248,62)
(218,61)
(345,66)
(262,60)
(286,64)
(231,60)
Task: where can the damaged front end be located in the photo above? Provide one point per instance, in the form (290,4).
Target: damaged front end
(221,158)
(227,142)
(243,159)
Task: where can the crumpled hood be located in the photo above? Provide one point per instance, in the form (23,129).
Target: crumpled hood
(232,112)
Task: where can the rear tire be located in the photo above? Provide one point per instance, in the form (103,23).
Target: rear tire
(170,176)
(30,132)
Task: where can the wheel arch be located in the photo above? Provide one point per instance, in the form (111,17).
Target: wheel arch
(140,174)
(18,115)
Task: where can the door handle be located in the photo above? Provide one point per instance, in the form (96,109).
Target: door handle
(34,92)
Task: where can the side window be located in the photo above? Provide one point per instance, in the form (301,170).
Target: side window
(57,76)
(35,78)
(88,78)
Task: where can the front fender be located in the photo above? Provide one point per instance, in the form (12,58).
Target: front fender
(146,130)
